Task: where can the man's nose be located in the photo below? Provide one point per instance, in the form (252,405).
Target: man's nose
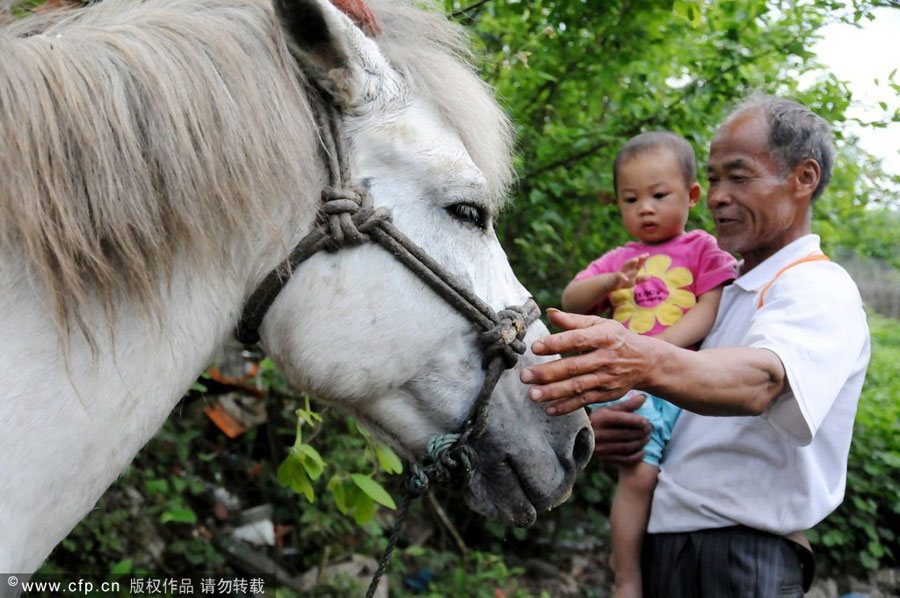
(716,197)
(646,208)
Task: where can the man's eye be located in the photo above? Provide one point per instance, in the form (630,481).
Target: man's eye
(630,199)
(659,195)
(468,213)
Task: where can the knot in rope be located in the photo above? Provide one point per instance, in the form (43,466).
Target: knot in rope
(347,215)
(444,460)
(506,338)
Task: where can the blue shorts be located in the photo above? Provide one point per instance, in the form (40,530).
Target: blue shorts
(662,416)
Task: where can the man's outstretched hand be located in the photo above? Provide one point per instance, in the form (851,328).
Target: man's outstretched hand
(610,361)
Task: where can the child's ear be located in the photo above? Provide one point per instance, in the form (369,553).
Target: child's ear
(694,194)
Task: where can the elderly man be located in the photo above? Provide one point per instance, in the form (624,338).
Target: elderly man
(786,359)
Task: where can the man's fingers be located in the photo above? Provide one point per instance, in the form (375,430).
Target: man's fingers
(578,400)
(563,378)
(619,434)
(571,386)
(632,404)
(619,449)
(580,333)
(637,435)
(626,428)
(626,451)
(570,321)
(620,459)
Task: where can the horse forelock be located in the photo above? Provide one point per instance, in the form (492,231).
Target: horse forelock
(183,123)
(434,54)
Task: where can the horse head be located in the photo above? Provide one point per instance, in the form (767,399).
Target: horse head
(415,364)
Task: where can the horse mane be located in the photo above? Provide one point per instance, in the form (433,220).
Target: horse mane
(136,133)
(434,54)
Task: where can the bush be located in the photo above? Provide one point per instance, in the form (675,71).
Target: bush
(862,533)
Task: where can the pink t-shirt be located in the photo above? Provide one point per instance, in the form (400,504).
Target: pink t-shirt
(680,270)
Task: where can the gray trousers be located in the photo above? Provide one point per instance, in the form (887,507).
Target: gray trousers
(732,562)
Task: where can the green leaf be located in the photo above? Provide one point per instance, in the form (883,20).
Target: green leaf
(373,489)
(157,486)
(868,561)
(876,550)
(178,514)
(292,474)
(364,509)
(303,486)
(338,493)
(123,567)
(388,459)
(310,459)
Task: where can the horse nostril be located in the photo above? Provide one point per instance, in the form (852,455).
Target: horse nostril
(583,448)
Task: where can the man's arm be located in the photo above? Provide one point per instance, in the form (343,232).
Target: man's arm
(612,360)
(696,323)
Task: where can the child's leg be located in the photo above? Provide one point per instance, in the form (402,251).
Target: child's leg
(628,522)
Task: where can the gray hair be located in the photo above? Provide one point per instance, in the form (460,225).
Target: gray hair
(796,133)
(655,140)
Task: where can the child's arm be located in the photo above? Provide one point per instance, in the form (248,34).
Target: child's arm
(696,323)
(581,296)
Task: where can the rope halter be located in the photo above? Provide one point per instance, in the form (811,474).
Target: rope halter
(347,217)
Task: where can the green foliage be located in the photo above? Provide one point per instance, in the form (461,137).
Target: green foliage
(352,492)
(477,575)
(580,78)
(863,532)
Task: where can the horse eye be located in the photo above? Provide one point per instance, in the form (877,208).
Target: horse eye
(469,214)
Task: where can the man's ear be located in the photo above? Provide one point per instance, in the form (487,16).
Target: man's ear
(806,176)
(694,193)
(331,49)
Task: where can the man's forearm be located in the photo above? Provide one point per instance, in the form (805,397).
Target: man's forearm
(723,381)
(605,361)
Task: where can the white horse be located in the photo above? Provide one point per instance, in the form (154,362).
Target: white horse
(159,158)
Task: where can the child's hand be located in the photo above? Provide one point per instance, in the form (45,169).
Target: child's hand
(628,276)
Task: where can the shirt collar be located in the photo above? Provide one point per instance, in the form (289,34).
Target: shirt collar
(766,271)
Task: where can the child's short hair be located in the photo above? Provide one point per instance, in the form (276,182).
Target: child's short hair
(652,140)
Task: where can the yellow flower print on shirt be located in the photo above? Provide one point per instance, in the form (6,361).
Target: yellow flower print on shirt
(660,299)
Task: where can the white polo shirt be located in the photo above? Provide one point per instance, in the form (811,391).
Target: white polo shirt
(785,470)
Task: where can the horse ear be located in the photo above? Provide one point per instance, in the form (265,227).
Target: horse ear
(331,49)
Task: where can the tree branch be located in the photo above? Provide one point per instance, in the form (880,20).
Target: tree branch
(464,12)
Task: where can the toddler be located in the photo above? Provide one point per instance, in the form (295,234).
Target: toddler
(668,284)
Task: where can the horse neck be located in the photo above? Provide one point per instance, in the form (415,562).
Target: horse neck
(72,418)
